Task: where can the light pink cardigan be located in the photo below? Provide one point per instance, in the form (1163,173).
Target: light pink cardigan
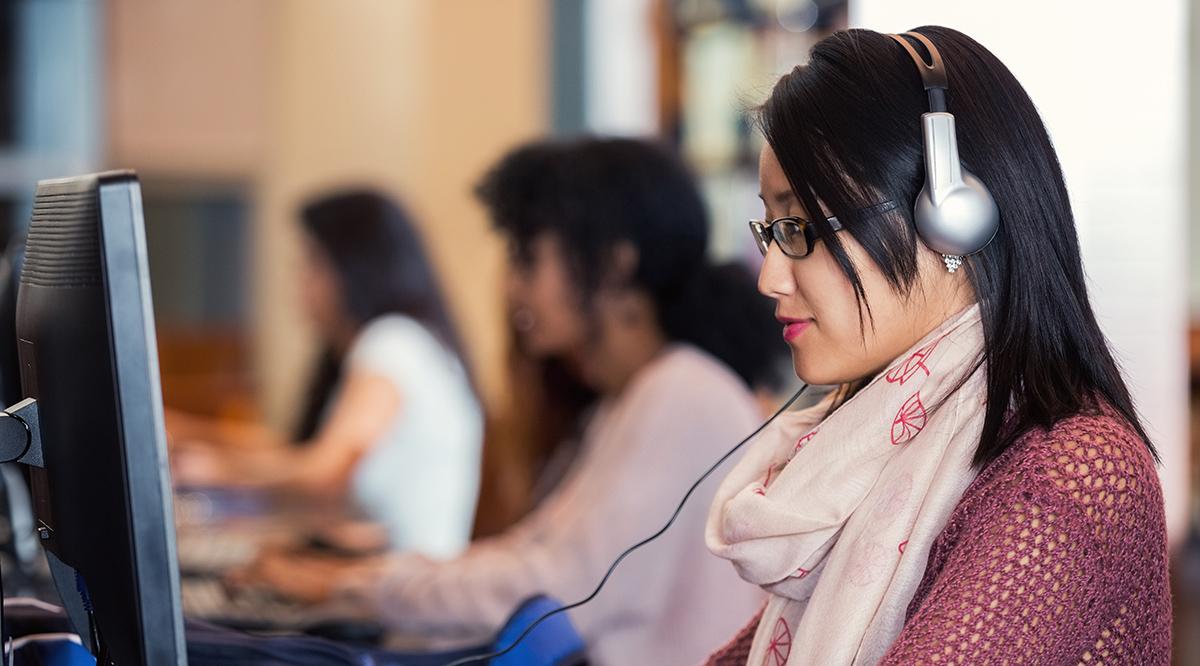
(670,603)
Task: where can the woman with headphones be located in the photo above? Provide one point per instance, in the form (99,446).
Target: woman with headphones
(980,486)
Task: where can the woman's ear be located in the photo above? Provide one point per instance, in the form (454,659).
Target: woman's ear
(947,292)
(622,265)
(618,297)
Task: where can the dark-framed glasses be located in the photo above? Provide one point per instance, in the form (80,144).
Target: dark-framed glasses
(797,236)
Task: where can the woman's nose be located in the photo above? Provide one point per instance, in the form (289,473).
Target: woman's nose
(775,278)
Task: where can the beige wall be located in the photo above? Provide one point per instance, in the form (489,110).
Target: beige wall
(414,96)
(488,88)
(187,85)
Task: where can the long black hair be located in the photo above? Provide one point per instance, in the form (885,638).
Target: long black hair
(594,194)
(381,268)
(846,130)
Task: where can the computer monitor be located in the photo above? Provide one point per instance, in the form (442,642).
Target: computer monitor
(86,345)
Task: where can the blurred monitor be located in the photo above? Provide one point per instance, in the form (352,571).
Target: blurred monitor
(86,347)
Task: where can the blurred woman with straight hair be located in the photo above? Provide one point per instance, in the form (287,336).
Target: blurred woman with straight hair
(390,417)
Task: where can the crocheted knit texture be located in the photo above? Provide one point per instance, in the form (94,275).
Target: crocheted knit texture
(1056,554)
(737,650)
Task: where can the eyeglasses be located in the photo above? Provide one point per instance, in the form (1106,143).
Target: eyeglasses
(797,236)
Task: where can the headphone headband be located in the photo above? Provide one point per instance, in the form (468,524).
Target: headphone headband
(954,213)
(933,75)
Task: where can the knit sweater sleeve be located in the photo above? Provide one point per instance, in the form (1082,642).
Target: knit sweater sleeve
(737,651)
(1058,563)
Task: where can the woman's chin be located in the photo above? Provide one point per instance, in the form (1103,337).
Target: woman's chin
(804,373)
(814,374)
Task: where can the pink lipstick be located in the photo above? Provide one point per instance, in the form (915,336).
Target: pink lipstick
(792,328)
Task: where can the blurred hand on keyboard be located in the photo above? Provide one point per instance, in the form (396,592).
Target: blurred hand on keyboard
(300,577)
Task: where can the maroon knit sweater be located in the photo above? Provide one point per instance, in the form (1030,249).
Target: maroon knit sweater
(1056,554)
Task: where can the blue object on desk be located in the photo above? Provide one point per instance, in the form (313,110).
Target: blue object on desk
(51,650)
(554,642)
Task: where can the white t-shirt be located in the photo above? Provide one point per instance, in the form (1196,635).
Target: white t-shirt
(420,480)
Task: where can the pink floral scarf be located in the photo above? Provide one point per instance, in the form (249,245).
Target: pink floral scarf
(835,517)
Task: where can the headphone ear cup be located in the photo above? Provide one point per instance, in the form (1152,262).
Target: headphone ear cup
(961,221)
(954,213)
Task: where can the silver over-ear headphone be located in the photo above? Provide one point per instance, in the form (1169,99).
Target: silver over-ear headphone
(955,214)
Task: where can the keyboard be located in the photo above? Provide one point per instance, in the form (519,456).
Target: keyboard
(258,610)
(209,598)
(215,552)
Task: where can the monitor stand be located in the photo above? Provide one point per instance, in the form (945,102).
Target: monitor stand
(21,442)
